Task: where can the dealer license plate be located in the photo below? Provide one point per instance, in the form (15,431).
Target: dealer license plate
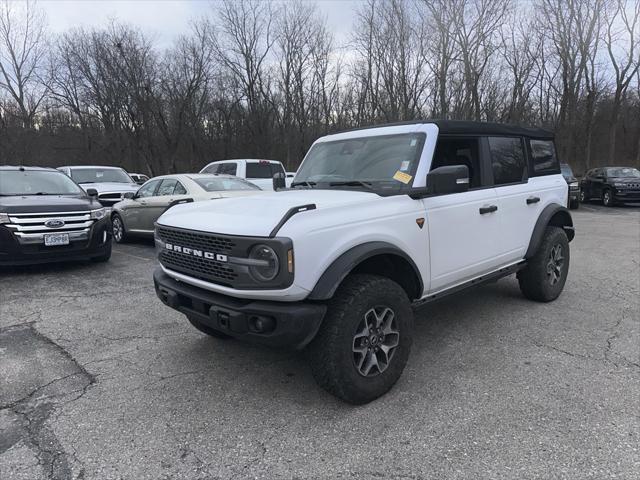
(53,239)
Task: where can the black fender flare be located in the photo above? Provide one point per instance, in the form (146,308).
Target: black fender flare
(555,215)
(343,265)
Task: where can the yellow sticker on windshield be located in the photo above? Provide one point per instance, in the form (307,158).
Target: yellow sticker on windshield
(402,177)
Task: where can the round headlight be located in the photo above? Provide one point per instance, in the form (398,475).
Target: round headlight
(268,266)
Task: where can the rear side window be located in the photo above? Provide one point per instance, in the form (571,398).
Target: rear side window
(259,170)
(543,157)
(228,168)
(166,187)
(179,190)
(507,160)
(211,168)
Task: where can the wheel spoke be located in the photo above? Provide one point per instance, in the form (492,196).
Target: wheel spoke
(372,361)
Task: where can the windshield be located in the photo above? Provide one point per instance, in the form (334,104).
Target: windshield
(37,182)
(385,163)
(566,170)
(623,172)
(216,184)
(100,175)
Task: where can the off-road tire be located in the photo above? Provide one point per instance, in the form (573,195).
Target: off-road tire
(536,279)
(207,330)
(117,227)
(331,353)
(105,257)
(607,198)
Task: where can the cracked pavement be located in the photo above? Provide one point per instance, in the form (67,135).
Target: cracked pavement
(98,380)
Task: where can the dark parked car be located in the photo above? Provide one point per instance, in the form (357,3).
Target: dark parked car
(574,186)
(611,185)
(46,217)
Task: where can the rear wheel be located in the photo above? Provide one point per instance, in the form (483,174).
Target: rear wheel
(207,330)
(119,232)
(574,204)
(544,276)
(365,339)
(607,198)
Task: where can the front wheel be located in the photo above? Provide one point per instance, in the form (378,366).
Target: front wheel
(607,198)
(574,204)
(583,196)
(364,342)
(544,276)
(119,232)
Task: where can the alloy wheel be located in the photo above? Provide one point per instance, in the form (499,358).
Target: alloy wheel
(375,341)
(606,198)
(118,229)
(554,264)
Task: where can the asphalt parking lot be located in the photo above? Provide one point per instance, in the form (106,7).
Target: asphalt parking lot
(98,380)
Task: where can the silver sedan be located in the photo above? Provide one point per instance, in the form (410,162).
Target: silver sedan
(137,213)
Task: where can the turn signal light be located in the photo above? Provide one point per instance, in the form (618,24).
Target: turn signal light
(290,261)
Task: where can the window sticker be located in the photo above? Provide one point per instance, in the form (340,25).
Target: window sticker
(99,174)
(404,166)
(413,143)
(402,177)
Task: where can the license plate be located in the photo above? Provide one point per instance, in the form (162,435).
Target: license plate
(53,239)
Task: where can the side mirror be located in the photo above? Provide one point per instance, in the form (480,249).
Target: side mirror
(128,195)
(279,181)
(92,192)
(448,179)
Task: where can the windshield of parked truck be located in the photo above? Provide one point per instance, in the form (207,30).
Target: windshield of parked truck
(36,182)
(566,170)
(385,164)
(623,172)
(100,175)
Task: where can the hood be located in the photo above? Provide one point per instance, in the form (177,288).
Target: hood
(256,215)
(47,203)
(103,187)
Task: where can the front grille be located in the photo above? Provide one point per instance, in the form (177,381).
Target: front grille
(202,269)
(203,241)
(110,196)
(31,228)
(198,267)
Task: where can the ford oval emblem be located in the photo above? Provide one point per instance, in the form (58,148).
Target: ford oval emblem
(54,223)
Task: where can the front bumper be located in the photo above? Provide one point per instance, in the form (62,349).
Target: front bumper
(15,251)
(622,196)
(294,324)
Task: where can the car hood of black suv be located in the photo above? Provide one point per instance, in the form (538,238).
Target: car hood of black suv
(47,203)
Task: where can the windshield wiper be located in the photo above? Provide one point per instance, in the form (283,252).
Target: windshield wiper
(352,183)
(305,183)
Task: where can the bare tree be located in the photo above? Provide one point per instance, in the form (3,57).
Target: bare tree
(22,55)
(622,39)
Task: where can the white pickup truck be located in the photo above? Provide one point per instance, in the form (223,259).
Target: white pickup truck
(259,172)
(378,220)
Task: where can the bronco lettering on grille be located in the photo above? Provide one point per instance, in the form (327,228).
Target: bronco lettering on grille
(196,253)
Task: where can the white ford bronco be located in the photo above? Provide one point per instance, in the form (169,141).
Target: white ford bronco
(377,221)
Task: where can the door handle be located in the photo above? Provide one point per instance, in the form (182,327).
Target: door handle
(489,209)
(143,203)
(531,200)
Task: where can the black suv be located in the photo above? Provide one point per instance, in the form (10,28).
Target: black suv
(574,186)
(46,217)
(611,185)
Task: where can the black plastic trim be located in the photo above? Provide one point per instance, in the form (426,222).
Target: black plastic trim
(490,277)
(345,263)
(544,220)
(290,213)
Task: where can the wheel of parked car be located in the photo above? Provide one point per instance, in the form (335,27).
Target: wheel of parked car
(574,204)
(208,330)
(364,341)
(546,272)
(119,232)
(583,196)
(607,198)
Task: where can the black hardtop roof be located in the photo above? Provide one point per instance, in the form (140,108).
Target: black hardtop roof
(24,167)
(477,128)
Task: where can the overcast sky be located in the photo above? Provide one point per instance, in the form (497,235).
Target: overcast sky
(166,19)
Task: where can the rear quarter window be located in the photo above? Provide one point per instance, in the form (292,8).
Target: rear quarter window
(544,160)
